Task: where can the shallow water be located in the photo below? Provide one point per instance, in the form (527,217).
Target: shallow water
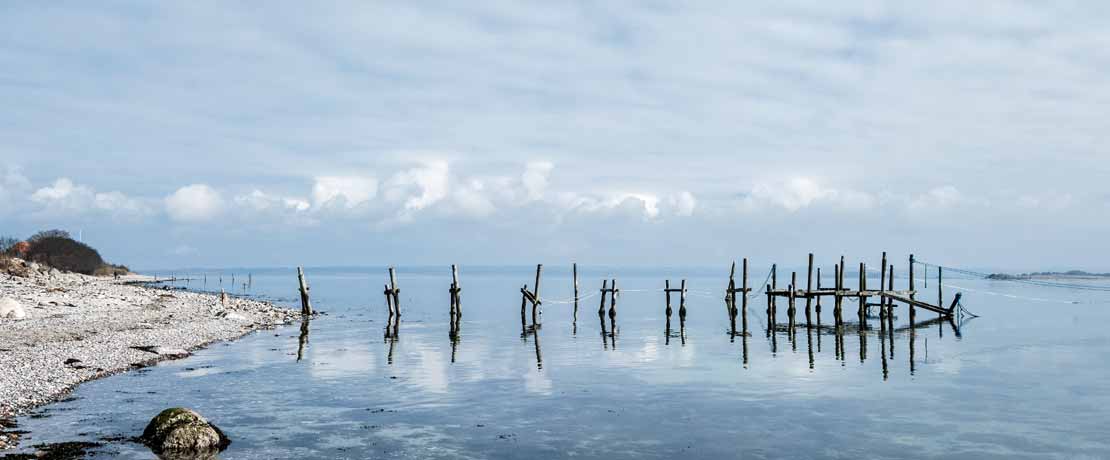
(1025,380)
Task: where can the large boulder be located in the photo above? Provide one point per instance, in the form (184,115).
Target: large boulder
(10,308)
(178,432)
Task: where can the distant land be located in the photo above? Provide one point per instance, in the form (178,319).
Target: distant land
(1071,274)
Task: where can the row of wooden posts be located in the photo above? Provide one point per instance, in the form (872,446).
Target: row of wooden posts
(886,294)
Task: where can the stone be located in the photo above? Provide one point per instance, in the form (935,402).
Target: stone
(168,352)
(231,316)
(178,431)
(10,308)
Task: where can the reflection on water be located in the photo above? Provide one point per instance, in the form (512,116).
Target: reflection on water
(350,395)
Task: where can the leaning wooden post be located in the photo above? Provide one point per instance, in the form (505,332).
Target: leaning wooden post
(730,296)
(536,293)
(395,291)
(523,309)
(306,304)
(809,288)
(601,308)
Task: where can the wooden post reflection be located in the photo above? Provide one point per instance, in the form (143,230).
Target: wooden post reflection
(303,339)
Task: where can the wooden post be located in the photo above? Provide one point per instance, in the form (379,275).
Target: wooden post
(882,284)
(388,301)
(836,294)
(809,288)
(817,308)
(940,289)
(455,292)
(913,288)
(306,304)
(667,290)
(396,292)
(536,293)
(574,268)
(862,298)
(774,286)
(613,308)
(523,309)
(744,297)
(682,301)
(730,296)
(601,309)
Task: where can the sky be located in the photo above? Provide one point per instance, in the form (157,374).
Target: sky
(216,134)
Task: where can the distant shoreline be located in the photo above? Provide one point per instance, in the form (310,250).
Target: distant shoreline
(1068,275)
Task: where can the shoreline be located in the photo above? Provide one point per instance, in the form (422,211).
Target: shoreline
(81,328)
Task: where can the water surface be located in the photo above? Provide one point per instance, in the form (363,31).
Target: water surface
(1025,380)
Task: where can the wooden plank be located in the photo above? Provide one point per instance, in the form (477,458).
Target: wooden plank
(916,303)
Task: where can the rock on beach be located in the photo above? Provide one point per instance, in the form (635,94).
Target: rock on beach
(10,308)
(179,431)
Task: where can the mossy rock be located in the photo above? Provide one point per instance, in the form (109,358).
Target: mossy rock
(179,430)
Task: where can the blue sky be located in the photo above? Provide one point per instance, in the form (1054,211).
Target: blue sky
(219,133)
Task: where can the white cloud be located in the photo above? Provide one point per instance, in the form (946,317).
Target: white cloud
(260,201)
(535,178)
(343,191)
(64,197)
(943,197)
(683,203)
(194,203)
(796,193)
(419,188)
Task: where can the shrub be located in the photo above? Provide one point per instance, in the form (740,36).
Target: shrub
(64,253)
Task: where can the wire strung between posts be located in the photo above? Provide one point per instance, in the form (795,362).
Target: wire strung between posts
(1055,284)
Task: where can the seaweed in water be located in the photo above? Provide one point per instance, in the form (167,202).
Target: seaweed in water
(59,451)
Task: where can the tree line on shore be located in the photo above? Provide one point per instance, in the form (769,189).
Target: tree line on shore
(57,249)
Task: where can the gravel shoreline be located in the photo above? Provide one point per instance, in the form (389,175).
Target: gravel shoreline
(79,328)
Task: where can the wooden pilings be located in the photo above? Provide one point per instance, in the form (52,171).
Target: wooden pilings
(394,292)
(306,303)
(456,300)
(574,269)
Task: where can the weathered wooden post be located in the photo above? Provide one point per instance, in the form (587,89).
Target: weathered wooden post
(682,302)
(613,308)
(730,296)
(862,296)
(882,284)
(744,294)
(574,268)
(817,307)
(882,289)
(536,293)
(604,289)
(306,304)
(523,310)
(809,289)
(456,290)
(667,290)
(836,294)
(913,293)
(396,292)
(940,291)
(388,299)
(774,286)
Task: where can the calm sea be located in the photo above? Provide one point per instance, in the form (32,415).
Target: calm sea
(1028,378)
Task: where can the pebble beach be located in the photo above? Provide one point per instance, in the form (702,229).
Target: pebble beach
(74,328)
